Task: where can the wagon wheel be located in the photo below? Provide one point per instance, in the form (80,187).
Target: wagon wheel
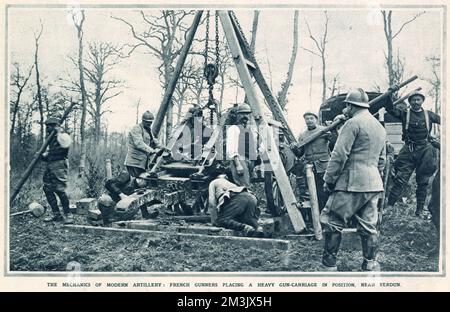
(275,203)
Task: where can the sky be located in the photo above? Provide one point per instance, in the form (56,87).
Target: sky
(355,50)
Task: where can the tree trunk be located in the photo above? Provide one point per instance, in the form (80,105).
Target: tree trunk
(282,95)
(38,93)
(83,96)
(324,79)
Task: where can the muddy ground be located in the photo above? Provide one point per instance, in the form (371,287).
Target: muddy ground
(407,244)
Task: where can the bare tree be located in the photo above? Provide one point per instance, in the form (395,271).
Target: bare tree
(282,94)
(435,81)
(18,84)
(101,58)
(78,18)
(390,36)
(336,85)
(163,38)
(320,47)
(37,36)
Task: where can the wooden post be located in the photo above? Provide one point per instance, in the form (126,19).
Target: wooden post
(265,131)
(314,201)
(156,127)
(108,169)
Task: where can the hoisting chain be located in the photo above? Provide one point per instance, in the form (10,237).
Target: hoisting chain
(211,69)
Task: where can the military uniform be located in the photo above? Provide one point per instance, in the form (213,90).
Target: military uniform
(236,207)
(316,153)
(141,144)
(353,173)
(241,143)
(417,154)
(125,184)
(56,171)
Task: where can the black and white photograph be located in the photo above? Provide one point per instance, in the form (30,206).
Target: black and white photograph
(220,143)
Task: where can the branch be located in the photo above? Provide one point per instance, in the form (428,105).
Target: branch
(312,37)
(407,22)
(143,41)
(312,52)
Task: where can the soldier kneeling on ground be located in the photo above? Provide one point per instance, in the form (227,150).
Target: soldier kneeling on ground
(119,188)
(233,207)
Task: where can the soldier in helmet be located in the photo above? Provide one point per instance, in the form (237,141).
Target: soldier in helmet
(241,146)
(119,188)
(417,154)
(316,153)
(56,171)
(353,176)
(141,145)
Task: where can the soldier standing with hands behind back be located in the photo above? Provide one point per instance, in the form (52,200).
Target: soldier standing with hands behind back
(353,176)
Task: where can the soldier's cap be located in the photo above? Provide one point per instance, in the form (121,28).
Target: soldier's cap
(416,93)
(311,114)
(148,116)
(52,121)
(243,108)
(357,97)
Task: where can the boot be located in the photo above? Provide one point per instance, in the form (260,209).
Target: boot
(69,218)
(369,244)
(51,198)
(55,217)
(331,248)
(421,212)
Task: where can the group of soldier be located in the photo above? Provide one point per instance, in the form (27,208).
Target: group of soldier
(348,166)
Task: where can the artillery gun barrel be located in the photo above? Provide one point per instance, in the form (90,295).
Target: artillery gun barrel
(336,123)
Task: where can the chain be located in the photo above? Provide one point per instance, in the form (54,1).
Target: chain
(207,38)
(217,38)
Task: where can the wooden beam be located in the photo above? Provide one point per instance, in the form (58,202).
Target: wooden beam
(156,127)
(244,242)
(272,102)
(266,133)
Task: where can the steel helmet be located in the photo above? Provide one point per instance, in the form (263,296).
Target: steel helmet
(148,116)
(416,93)
(52,121)
(357,97)
(244,108)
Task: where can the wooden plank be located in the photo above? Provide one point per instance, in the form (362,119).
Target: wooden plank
(315,214)
(244,242)
(201,219)
(265,131)
(151,225)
